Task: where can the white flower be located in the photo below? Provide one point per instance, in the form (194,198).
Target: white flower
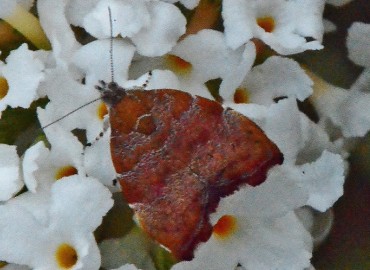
(67,95)
(277,77)
(66,241)
(254,225)
(57,28)
(93,60)
(255,243)
(324,179)
(213,60)
(283,25)
(24,70)
(43,167)
(10,178)
(305,147)
(347,109)
(63,159)
(153,26)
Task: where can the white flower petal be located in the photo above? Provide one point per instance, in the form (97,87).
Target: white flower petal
(358,43)
(7,7)
(57,28)
(76,209)
(163,79)
(76,10)
(98,156)
(19,227)
(23,72)
(94,59)
(88,201)
(194,88)
(238,17)
(293,21)
(277,77)
(347,109)
(325,179)
(128,18)
(213,60)
(30,165)
(66,149)
(9,172)
(280,193)
(166,27)
(34,203)
(283,126)
(67,95)
(234,77)
(15,227)
(316,141)
(353,115)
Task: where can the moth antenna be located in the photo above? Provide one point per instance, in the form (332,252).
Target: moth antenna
(99,88)
(111,44)
(68,114)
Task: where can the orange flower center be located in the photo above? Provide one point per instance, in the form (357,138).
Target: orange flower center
(241,95)
(66,256)
(65,171)
(225,226)
(102,111)
(4,87)
(177,64)
(267,23)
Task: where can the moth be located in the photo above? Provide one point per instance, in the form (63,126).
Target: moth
(177,155)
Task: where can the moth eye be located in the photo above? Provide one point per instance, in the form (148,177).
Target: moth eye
(145,124)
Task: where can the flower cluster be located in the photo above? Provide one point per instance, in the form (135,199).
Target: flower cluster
(54,196)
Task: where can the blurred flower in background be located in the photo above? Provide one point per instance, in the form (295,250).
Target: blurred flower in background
(260,58)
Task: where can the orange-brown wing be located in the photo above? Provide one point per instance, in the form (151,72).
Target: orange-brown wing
(177,155)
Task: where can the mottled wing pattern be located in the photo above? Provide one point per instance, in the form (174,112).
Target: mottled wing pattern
(177,155)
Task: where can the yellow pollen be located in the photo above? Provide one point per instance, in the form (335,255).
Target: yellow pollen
(178,65)
(225,226)
(241,95)
(4,87)
(267,23)
(66,256)
(102,111)
(65,171)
